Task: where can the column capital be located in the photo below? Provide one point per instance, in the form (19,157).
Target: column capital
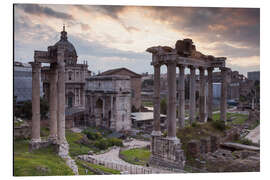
(156,64)
(181,66)
(35,65)
(224,68)
(201,68)
(191,67)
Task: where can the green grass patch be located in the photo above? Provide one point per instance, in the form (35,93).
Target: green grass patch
(237,118)
(94,166)
(196,132)
(148,103)
(74,147)
(42,162)
(138,156)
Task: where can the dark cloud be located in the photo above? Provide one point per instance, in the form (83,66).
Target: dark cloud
(241,25)
(41,10)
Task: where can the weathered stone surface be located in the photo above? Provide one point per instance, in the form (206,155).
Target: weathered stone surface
(193,148)
(167,153)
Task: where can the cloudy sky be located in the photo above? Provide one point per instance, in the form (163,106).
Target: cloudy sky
(117,36)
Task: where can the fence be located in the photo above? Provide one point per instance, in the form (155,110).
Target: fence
(130,169)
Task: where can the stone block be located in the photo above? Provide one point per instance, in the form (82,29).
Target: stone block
(193,148)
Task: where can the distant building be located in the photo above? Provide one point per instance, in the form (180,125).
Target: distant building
(135,84)
(255,75)
(23,82)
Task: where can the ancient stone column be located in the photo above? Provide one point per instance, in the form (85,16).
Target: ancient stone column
(223,99)
(156,130)
(171,110)
(61,102)
(181,108)
(53,103)
(35,136)
(192,95)
(210,92)
(202,95)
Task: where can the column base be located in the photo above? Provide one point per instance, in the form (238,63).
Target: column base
(37,144)
(63,149)
(156,133)
(167,152)
(52,139)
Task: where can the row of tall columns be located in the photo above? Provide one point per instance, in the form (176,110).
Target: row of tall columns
(56,100)
(171,110)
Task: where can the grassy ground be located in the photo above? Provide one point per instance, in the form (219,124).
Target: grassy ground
(197,131)
(148,103)
(237,118)
(74,147)
(43,162)
(82,169)
(138,156)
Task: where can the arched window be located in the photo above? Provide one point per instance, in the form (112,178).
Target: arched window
(69,75)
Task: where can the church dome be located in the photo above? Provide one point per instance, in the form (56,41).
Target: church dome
(70,51)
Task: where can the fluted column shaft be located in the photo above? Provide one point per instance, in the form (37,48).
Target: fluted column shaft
(210,92)
(223,100)
(192,95)
(202,95)
(35,136)
(156,99)
(171,111)
(181,108)
(53,102)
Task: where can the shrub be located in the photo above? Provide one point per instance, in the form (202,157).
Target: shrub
(220,125)
(101,144)
(115,142)
(92,135)
(246,141)
(194,124)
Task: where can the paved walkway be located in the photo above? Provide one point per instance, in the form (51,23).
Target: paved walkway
(254,135)
(113,155)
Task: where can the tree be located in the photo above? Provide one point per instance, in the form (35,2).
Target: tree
(163,106)
(25,109)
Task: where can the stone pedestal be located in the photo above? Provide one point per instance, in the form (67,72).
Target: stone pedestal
(167,152)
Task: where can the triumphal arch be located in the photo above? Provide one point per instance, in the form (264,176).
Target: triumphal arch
(166,151)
